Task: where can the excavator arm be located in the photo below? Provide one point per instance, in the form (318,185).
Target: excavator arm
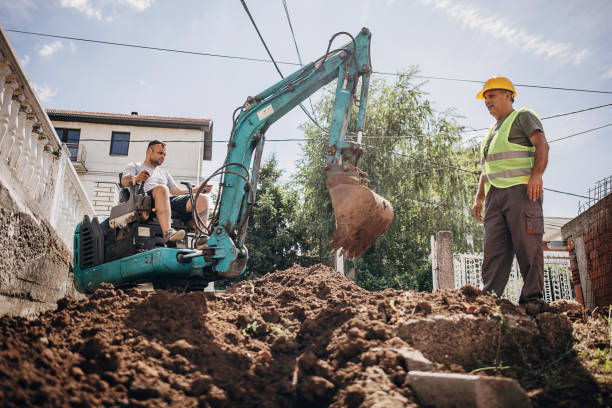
(361,214)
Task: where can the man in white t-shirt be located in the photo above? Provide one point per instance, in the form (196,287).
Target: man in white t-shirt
(168,198)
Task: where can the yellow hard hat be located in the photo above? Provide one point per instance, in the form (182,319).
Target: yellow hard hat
(497,83)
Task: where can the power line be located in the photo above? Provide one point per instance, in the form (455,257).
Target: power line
(480,82)
(579,133)
(274,62)
(553,116)
(297,50)
(146,47)
(292,33)
(441,165)
(261,38)
(208,54)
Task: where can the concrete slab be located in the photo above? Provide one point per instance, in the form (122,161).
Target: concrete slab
(442,390)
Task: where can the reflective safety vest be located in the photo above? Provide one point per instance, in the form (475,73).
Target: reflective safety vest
(507,164)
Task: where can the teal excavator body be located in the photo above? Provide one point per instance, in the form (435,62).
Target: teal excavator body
(128,247)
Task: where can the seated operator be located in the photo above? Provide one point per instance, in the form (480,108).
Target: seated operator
(167,196)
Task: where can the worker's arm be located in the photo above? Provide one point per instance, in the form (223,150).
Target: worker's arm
(479,199)
(128,179)
(535,184)
(180,191)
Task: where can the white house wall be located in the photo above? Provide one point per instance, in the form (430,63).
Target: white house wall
(183,158)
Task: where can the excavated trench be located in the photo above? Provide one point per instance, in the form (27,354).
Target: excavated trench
(295,338)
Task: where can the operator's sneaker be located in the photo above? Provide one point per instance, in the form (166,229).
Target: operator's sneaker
(201,242)
(173,235)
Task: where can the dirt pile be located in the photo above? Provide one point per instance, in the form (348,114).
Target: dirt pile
(299,337)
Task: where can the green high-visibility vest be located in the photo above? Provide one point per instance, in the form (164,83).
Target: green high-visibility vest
(507,164)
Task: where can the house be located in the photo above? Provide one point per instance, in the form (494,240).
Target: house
(102,144)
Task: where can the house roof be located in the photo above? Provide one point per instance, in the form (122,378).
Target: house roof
(129,119)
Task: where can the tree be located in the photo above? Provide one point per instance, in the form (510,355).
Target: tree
(270,238)
(415,157)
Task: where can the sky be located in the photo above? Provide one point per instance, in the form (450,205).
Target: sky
(562,44)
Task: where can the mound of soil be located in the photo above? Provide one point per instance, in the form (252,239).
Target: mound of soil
(294,338)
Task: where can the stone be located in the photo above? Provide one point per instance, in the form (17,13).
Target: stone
(444,390)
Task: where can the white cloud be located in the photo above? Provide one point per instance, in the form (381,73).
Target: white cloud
(104,9)
(72,46)
(50,49)
(607,74)
(139,5)
(44,91)
(24,61)
(144,84)
(473,18)
(83,7)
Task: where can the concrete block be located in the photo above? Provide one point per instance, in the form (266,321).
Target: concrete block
(442,390)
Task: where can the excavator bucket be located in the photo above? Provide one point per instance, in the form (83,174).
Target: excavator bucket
(361,214)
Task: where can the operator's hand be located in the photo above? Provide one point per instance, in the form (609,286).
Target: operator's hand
(477,209)
(207,188)
(534,187)
(142,176)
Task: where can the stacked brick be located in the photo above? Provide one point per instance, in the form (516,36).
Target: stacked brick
(104,197)
(594,227)
(598,247)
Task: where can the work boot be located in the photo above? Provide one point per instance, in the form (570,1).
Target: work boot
(173,235)
(534,306)
(201,242)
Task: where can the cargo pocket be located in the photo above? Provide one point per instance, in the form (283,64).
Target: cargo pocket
(535,222)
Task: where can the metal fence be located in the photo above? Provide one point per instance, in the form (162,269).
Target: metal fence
(557,276)
(600,190)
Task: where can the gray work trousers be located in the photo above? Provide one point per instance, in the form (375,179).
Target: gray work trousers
(513,225)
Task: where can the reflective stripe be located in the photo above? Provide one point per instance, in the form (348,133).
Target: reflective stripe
(510,173)
(509,155)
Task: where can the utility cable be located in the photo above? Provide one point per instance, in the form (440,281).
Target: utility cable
(297,49)
(579,133)
(480,82)
(463,170)
(261,38)
(178,51)
(553,116)
(274,62)
(146,47)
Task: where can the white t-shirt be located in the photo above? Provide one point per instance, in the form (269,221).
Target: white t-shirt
(158,176)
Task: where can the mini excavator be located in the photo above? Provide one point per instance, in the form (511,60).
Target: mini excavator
(128,248)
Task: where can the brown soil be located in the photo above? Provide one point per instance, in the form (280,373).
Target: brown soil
(295,338)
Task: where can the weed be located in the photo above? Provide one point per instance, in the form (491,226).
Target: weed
(250,329)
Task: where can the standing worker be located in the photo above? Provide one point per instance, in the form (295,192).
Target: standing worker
(514,156)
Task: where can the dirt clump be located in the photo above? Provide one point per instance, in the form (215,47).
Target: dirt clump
(296,338)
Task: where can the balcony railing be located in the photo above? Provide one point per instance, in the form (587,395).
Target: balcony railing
(33,161)
(78,155)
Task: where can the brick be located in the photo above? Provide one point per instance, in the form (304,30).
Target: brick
(460,390)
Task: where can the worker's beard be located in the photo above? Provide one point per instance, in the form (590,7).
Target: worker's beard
(156,162)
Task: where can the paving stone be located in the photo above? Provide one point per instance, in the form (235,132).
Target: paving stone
(442,390)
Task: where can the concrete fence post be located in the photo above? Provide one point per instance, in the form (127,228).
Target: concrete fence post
(444,260)
(339,261)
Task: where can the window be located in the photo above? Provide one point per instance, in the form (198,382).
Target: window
(71,138)
(120,143)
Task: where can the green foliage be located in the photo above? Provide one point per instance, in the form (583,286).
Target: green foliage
(270,237)
(412,155)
